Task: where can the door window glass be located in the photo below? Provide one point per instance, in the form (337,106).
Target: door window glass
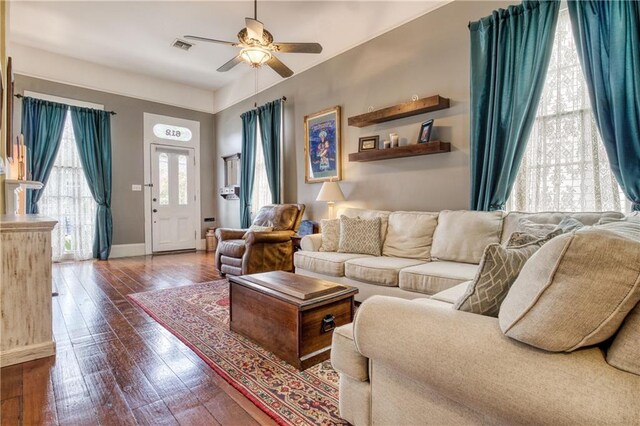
(182,180)
(163,179)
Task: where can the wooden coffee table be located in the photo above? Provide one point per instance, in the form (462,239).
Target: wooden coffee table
(291,315)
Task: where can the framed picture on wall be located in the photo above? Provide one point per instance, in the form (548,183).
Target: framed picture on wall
(322,146)
(368,143)
(425,131)
(9,112)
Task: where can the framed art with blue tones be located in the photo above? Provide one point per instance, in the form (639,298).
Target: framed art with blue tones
(322,146)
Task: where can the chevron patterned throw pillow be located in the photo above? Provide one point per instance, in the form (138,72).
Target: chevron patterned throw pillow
(360,236)
(498,270)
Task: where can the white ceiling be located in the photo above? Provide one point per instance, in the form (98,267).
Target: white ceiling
(136,36)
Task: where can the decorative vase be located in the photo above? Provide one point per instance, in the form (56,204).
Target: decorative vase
(394,139)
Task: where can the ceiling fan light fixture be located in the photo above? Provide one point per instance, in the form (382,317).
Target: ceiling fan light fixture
(255,56)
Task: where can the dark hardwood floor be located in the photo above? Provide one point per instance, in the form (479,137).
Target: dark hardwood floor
(114,365)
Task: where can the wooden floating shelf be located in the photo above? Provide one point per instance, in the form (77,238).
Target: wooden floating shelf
(433,147)
(407,109)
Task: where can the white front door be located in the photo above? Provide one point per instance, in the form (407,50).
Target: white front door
(173,199)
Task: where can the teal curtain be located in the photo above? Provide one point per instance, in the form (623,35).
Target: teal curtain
(510,53)
(607,35)
(42,126)
(92,130)
(270,116)
(247,166)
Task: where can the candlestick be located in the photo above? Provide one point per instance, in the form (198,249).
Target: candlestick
(21,156)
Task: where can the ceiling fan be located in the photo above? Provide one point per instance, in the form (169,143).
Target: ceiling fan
(258,47)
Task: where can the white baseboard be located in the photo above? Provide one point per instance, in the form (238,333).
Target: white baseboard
(127,250)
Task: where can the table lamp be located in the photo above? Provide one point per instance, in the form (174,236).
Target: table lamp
(330,192)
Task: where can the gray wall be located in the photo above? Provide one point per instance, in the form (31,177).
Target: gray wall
(427,56)
(127,151)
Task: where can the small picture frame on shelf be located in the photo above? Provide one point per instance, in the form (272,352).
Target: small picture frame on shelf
(368,143)
(425,131)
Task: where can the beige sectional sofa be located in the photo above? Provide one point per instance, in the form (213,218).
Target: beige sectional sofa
(414,362)
(424,253)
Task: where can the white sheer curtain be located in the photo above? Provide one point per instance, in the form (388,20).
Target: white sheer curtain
(67,199)
(565,167)
(261,191)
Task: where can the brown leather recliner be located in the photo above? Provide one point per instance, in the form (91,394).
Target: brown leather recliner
(242,252)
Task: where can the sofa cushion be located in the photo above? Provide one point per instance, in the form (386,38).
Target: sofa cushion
(462,235)
(330,230)
(232,248)
(231,261)
(624,352)
(511,220)
(628,227)
(327,263)
(434,277)
(451,295)
(377,270)
(345,357)
(360,236)
(575,291)
(498,270)
(410,234)
(369,214)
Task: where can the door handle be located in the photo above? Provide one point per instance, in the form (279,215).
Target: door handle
(155,210)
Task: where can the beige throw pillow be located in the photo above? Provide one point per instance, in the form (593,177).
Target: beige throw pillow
(330,230)
(575,291)
(498,270)
(522,238)
(536,229)
(360,236)
(410,234)
(629,227)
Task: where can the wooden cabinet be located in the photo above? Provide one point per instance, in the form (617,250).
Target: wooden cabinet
(25,289)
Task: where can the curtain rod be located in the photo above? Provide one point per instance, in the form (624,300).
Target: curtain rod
(283,99)
(19,96)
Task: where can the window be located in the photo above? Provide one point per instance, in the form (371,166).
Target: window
(565,167)
(67,199)
(261,191)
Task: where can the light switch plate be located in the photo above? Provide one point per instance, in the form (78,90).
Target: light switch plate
(136,187)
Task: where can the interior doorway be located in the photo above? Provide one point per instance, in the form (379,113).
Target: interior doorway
(172,184)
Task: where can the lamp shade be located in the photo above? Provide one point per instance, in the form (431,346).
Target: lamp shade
(330,192)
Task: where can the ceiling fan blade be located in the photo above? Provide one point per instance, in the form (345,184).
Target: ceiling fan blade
(255,28)
(279,67)
(210,40)
(299,47)
(232,63)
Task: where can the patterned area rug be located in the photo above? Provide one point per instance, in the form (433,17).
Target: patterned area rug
(199,316)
